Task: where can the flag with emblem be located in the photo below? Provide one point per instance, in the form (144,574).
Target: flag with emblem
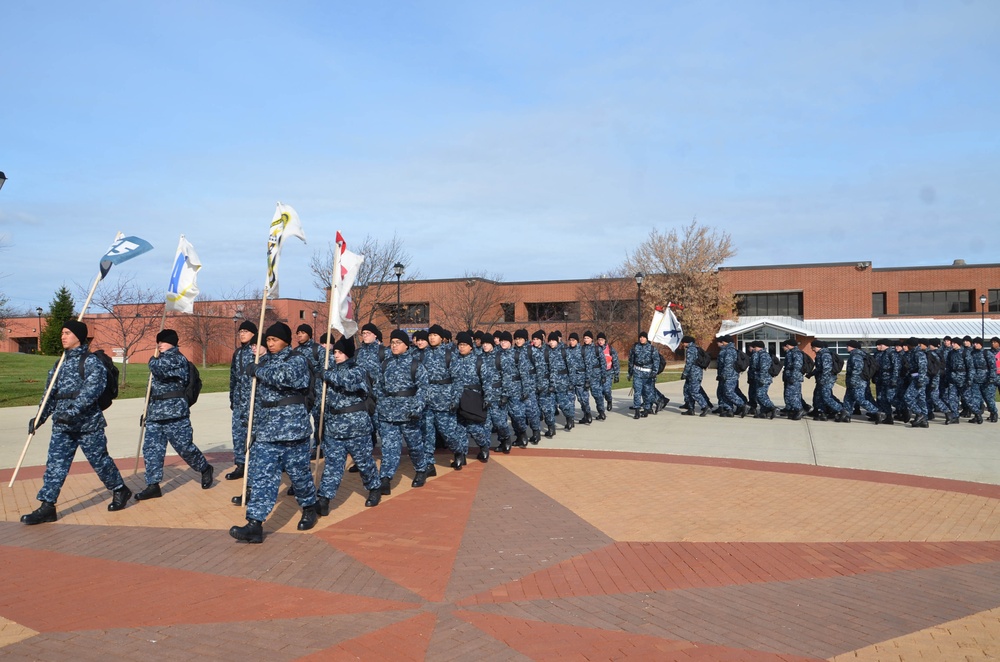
(344,275)
(183,286)
(284,224)
(124,248)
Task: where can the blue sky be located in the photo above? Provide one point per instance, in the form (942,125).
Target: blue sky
(533,140)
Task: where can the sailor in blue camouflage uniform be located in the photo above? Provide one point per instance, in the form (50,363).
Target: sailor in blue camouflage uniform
(730,401)
(524,364)
(511,388)
(168,417)
(857,386)
(492,371)
(886,378)
(953,380)
(316,357)
(692,376)
(595,367)
(579,379)
(916,390)
(347,427)
(439,415)
(993,380)
(612,367)
(465,374)
(557,369)
(935,399)
(791,377)
(760,364)
(979,377)
(281,433)
(239,395)
(77,421)
(642,360)
(544,389)
(902,382)
(824,400)
(402,388)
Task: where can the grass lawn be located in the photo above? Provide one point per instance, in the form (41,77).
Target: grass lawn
(22,379)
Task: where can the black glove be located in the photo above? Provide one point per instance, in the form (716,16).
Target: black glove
(503,400)
(586,385)
(414,417)
(614,379)
(31,425)
(251,369)
(63,418)
(453,409)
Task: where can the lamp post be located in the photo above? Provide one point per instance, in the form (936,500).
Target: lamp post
(982,315)
(398,269)
(236,329)
(38,311)
(639,277)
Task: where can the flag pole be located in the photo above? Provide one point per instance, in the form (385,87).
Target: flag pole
(253,394)
(149,389)
(334,277)
(52,382)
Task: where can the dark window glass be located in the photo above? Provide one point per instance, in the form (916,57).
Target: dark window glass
(939,302)
(555,311)
(784,304)
(994,303)
(508,312)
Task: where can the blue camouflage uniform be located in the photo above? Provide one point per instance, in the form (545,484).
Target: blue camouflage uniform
(954,379)
(824,399)
(315,357)
(902,381)
(168,418)
(760,365)
(239,399)
(491,371)
(439,414)
(692,376)
(402,387)
(596,368)
(465,373)
(77,421)
(557,370)
(729,398)
(791,377)
(989,388)
(578,378)
(510,378)
(544,389)
(935,397)
(347,427)
(281,431)
(887,380)
(857,387)
(524,364)
(642,364)
(916,391)
(611,373)
(980,377)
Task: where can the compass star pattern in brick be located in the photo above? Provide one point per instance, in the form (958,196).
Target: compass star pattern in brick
(540,555)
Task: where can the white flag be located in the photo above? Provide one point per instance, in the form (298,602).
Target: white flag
(284,224)
(343,307)
(183,287)
(666,329)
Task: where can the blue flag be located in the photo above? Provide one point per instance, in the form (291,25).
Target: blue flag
(124,248)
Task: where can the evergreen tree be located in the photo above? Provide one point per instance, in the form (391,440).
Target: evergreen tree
(60,310)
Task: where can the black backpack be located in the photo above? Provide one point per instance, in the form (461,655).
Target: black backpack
(808,364)
(110,391)
(870,368)
(663,364)
(193,387)
(703,360)
(935,366)
(742,361)
(775,368)
(837,363)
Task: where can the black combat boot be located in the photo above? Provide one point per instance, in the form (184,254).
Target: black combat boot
(252,533)
(374,497)
(384,487)
(322,506)
(238,472)
(309,518)
(638,414)
(536,436)
(993,417)
(601,416)
(484,454)
(151,491)
(459,461)
(120,497)
(419,479)
(570,424)
(431,470)
(688,412)
(550,431)
(504,445)
(795,415)
(238,499)
(46,512)
(206,477)
(520,441)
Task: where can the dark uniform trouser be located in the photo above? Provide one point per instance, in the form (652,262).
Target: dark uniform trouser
(793,396)
(393,435)
(240,415)
(62,449)
(335,451)
(267,461)
(179,434)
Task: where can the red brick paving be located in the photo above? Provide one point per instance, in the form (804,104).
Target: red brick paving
(483,564)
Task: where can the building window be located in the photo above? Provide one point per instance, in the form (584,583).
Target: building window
(613,310)
(770,304)
(508,312)
(409,313)
(555,311)
(935,303)
(993,305)
(878,304)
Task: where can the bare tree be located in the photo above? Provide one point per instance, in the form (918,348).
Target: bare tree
(375,283)
(125,301)
(474,303)
(245,304)
(210,324)
(610,302)
(684,268)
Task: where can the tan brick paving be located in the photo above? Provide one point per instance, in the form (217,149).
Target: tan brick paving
(11,632)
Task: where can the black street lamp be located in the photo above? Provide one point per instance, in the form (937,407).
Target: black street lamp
(982,308)
(38,311)
(639,277)
(236,328)
(398,269)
